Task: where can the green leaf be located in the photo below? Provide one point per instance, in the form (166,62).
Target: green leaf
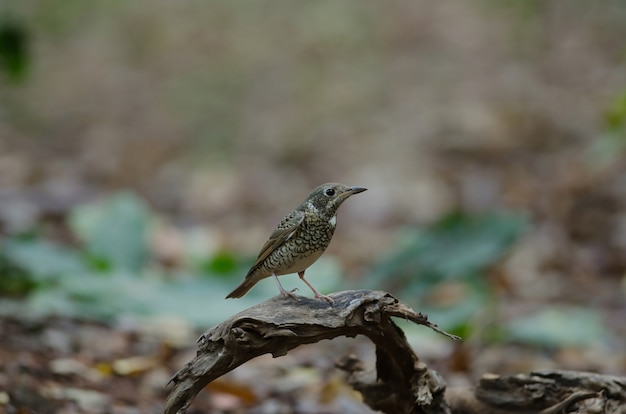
(199,301)
(457,317)
(615,115)
(222,264)
(556,327)
(14,52)
(40,260)
(114,232)
(90,296)
(457,250)
(459,247)
(14,281)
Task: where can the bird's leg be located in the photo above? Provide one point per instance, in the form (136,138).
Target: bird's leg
(317,294)
(283,291)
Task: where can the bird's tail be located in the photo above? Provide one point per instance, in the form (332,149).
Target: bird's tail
(243,287)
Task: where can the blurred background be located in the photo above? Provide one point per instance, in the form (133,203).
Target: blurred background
(148,148)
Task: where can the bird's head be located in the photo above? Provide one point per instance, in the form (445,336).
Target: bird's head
(326,199)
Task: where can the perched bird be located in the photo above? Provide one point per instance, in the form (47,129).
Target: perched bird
(300,239)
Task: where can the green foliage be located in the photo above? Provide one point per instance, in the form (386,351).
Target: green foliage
(110,274)
(457,247)
(223,263)
(13,280)
(37,263)
(114,232)
(14,49)
(615,116)
(611,145)
(89,295)
(557,326)
(456,250)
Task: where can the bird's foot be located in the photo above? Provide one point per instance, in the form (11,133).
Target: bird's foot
(289,293)
(315,292)
(284,292)
(325,297)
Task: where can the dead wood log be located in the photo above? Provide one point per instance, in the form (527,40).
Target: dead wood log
(542,392)
(402,383)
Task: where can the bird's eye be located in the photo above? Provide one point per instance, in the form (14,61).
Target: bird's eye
(330,192)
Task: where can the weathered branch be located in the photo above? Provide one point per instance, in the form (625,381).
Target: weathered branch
(280,324)
(542,392)
(400,384)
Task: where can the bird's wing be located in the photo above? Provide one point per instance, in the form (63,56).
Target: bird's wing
(283,232)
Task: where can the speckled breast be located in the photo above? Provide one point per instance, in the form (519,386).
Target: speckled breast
(302,249)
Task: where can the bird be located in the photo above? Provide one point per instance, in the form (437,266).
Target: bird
(299,239)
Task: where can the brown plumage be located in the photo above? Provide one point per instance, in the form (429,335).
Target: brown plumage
(300,239)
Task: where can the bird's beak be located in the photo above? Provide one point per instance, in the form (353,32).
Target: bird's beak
(353,190)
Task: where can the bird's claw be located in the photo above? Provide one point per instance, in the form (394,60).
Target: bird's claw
(289,293)
(326,298)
